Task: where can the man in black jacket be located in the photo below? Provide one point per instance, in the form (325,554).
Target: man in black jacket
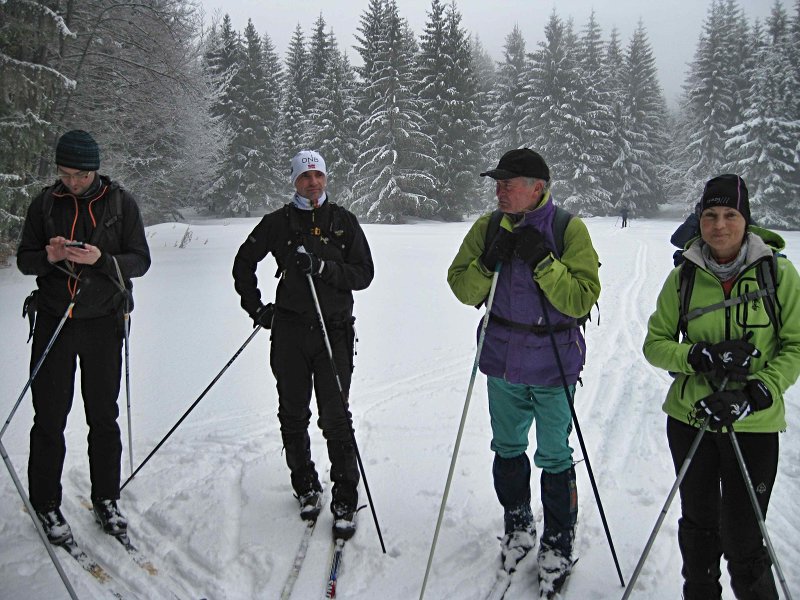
(84,239)
(311,236)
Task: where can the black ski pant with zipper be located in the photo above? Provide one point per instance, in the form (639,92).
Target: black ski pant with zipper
(717,516)
(95,344)
(301,365)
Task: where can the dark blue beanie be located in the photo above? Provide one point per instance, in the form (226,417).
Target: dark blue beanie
(77,149)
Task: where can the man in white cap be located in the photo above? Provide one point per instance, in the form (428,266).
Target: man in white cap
(311,236)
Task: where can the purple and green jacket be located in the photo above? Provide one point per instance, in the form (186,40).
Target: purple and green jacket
(571,286)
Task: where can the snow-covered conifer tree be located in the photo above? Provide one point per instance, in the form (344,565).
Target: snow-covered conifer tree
(393,174)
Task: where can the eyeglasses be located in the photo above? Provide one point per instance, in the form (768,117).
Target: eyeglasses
(79,176)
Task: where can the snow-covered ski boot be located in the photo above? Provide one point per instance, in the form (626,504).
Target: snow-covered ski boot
(554,569)
(55,526)
(515,546)
(310,505)
(344,521)
(107,513)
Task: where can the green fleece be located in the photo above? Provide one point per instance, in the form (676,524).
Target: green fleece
(779,364)
(571,284)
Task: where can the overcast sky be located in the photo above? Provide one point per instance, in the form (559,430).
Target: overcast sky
(673,26)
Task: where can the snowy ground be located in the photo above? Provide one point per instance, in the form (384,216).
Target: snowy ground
(213,509)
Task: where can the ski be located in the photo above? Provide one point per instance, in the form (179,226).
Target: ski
(89,565)
(299,557)
(501,584)
(335,568)
(124,539)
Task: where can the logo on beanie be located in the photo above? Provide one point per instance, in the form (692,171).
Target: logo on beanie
(307,160)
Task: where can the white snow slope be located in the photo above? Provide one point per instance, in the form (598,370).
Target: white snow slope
(213,509)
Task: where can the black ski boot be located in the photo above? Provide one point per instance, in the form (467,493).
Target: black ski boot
(55,525)
(310,505)
(344,521)
(107,513)
(345,478)
(555,556)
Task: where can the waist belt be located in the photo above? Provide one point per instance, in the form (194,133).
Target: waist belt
(536,329)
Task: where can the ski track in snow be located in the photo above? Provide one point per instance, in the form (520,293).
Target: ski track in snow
(213,508)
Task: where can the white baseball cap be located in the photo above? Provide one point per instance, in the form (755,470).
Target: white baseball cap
(307,160)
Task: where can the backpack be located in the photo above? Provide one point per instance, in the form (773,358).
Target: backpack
(766,277)
(112,215)
(561,219)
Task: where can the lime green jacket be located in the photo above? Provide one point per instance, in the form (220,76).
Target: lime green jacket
(779,364)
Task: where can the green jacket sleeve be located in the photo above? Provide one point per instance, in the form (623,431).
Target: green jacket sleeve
(572,284)
(468,278)
(782,371)
(661,346)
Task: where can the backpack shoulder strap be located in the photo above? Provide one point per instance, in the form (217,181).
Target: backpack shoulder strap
(493,227)
(687,274)
(47,213)
(767,278)
(560,221)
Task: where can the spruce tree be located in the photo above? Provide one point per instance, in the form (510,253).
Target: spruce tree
(275,169)
(392,176)
(510,96)
(296,96)
(449,93)
(644,128)
(764,147)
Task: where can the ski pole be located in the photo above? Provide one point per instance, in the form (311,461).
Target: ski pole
(571,401)
(757,509)
(191,408)
(20,490)
(343,398)
(39,362)
(126,316)
(126,325)
(482,336)
(39,529)
(662,515)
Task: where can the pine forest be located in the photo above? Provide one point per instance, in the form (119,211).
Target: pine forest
(193,114)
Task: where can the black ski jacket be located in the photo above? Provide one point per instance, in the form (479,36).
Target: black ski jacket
(331,233)
(91,220)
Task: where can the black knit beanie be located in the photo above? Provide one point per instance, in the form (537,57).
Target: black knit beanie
(77,149)
(727,190)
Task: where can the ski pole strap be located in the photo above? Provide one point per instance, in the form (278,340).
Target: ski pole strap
(29,309)
(536,329)
(754,295)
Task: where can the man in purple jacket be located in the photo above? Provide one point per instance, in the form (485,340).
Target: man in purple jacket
(524,381)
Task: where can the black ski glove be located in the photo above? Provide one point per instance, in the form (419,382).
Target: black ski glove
(531,247)
(730,358)
(500,250)
(263,316)
(308,263)
(728,406)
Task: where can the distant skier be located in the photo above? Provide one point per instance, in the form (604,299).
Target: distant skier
(81,207)
(624,214)
(524,383)
(311,236)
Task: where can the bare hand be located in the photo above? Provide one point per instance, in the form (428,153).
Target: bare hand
(88,255)
(56,251)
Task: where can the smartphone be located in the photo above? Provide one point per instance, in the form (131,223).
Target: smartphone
(75,245)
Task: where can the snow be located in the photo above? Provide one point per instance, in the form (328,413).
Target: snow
(213,508)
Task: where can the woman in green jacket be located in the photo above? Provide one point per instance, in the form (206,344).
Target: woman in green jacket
(739,353)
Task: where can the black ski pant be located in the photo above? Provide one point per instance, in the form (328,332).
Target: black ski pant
(301,364)
(717,517)
(97,343)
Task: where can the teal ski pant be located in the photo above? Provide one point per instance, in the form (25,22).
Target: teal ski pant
(513,408)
